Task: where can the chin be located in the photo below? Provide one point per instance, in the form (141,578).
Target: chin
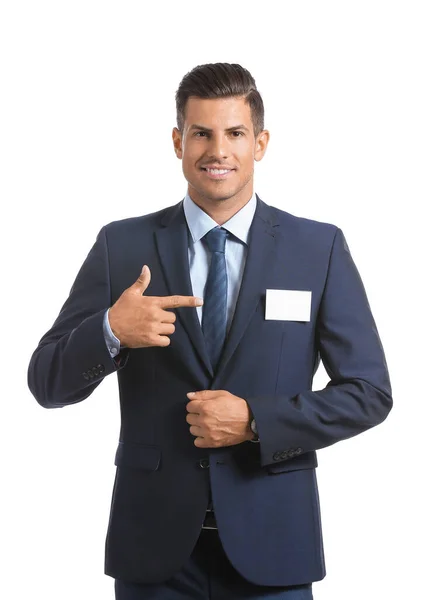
(217,198)
(216,195)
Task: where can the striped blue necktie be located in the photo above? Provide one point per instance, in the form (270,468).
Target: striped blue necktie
(214,312)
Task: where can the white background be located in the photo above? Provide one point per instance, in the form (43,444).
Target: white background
(87,108)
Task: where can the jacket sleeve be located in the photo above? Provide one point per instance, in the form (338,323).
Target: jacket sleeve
(72,358)
(358,395)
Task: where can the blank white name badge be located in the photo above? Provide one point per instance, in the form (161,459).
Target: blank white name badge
(288,305)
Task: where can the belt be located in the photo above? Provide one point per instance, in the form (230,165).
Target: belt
(210,521)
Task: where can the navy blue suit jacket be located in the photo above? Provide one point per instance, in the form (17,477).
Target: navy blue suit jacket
(265,495)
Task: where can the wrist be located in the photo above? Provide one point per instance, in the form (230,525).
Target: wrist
(111,321)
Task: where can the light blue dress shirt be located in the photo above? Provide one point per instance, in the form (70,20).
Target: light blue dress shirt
(199,256)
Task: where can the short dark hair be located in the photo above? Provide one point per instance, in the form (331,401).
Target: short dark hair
(220,80)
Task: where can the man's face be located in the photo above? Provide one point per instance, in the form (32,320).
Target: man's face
(218,134)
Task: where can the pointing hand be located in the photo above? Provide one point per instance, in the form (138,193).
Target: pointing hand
(140,321)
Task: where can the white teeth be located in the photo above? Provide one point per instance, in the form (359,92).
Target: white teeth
(218,171)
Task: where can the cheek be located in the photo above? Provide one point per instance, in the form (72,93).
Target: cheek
(189,159)
(245,155)
(246,161)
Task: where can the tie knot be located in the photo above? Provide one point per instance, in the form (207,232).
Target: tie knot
(216,238)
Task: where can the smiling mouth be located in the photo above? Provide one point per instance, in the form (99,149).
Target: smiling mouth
(217,173)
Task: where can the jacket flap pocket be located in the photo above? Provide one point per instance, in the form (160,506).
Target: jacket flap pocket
(303,461)
(138,456)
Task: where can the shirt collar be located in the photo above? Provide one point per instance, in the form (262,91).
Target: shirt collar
(200,223)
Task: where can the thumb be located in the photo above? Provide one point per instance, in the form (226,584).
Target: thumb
(144,279)
(203,395)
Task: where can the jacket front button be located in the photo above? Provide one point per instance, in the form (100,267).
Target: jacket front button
(204,463)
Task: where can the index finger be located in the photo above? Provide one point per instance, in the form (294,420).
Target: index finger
(178,301)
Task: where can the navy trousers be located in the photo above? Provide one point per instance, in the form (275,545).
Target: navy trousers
(208,575)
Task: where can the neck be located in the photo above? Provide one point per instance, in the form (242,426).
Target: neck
(222,209)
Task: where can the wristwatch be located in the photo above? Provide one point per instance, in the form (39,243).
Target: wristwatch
(253,427)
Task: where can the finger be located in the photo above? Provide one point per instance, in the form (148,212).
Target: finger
(144,279)
(166,328)
(192,419)
(194,407)
(178,301)
(160,340)
(167,316)
(195,430)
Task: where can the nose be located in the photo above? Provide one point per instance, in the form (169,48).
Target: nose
(218,146)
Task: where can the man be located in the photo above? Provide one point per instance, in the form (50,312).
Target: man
(198,509)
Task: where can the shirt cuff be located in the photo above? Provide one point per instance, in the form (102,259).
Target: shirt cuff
(113,343)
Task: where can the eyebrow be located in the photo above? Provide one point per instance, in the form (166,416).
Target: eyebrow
(202,128)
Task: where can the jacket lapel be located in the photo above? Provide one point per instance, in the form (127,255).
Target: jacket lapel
(264,237)
(172,243)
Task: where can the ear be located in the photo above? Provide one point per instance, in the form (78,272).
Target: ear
(177,141)
(262,141)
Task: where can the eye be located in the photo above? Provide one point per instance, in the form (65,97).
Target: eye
(198,133)
(240,133)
